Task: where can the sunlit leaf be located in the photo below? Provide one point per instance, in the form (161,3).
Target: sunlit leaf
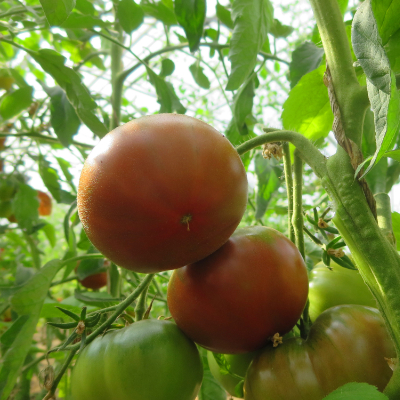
(381,81)
(307,109)
(252,21)
(191,15)
(57,11)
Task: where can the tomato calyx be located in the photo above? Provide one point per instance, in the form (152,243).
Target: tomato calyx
(276,340)
(186,219)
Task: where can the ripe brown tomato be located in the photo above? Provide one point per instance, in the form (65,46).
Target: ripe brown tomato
(160,192)
(95,281)
(237,298)
(45,205)
(347,343)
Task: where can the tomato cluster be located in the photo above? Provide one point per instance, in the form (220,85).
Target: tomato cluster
(166,192)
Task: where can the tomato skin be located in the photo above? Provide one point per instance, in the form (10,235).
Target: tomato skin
(239,363)
(147,360)
(45,205)
(95,281)
(329,288)
(346,343)
(234,300)
(160,192)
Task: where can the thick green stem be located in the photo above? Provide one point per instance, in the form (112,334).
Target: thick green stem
(141,307)
(349,95)
(289,187)
(297,220)
(116,68)
(384,216)
(310,154)
(52,391)
(117,312)
(376,258)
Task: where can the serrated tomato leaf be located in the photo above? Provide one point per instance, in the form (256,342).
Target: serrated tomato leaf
(191,15)
(307,109)
(381,81)
(252,22)
(57,11)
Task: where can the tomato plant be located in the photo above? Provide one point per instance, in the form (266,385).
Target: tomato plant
(237,298)
(161,192)
(147,360)
(345,344)
(238,365)
(336,286)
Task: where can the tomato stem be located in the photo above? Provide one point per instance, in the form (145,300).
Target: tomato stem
(297,219)
(310,154)
(51,393)
(140,308)
(289,187)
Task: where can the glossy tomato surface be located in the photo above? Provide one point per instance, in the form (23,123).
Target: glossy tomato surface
(148,360)
(345,344)
(234,300)
(238,364)
(329,288)
(160,192)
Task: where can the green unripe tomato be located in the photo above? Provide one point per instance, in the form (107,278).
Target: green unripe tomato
(148,360)
(238,365)
(329,288)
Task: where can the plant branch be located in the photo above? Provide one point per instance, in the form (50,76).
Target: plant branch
(350,96)
(51,393)
(46,138)
(289,187)
(310,154)
(297,220)
(117,311)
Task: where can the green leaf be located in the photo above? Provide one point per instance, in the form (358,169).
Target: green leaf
(396,228)
(167,67)
(191,15)
(279,30)
(85,7)
(69,313)
(77,93)
(16,102)
(57,11)
(356,391)
(381,81)
(50,232)
(159,11)
(98,299)
(199,76)
(25,206)
(386,13)
(8,337)
(166,95)
(130,15)
(233,135)
(224,15)
(343,5)
(210,388)
(89,267)
(243,105)
(305,59)
(79,21)
(268,173)
(27,301)
(394,154)
(252,22)
(65,165)
(307,109)
(63,118)
(49,310)
(52,182)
